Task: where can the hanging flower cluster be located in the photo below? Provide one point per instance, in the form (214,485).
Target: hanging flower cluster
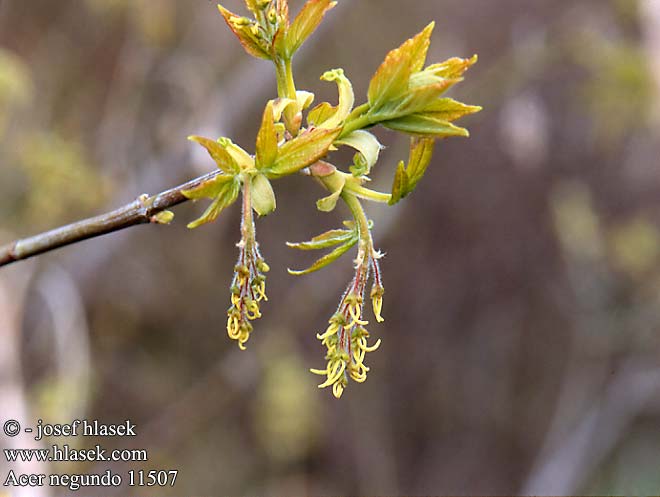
(403,95)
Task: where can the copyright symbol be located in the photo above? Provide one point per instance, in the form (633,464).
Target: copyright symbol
(12,428)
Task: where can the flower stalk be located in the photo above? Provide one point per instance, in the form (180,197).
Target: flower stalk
(248,288)
(346,337)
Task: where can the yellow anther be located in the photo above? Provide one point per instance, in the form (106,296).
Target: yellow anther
(377,304)
(355,310)
(252,312)
(364,346)
(233,327)
(332,347)
(261,292)
(332,329)
(337,390)
(337,371)
(359,377)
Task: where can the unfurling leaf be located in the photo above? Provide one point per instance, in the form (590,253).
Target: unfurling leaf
(247,32)
(453,68)
(400,185)
(449,72)
(304,99)
(227,195)
(218,153)
(328,204)
(240,156)
(368,146)
(333,180)
(449,109)
(210,188)
(321,113)
(302,151)
(392,79)
(262,195)
(418,99)
(406,179)
(328,258)
(346,99)
(266,149)
(421,153)
(306,23)
(426,125)
(405,98)
(325,240)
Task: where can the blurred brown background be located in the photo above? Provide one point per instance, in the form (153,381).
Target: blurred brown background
(521,347)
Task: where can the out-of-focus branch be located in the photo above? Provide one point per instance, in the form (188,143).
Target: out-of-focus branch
(141,211)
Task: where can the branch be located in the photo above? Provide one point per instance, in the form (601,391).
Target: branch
(141,211)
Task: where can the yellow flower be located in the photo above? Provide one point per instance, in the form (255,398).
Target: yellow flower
(248,287)
(346,336)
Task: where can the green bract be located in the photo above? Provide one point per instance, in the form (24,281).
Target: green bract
(404,95)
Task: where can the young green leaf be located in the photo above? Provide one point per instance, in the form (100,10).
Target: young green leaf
(406,179)
(328,258)
(418,99)
(449,109)
(360,167)
(262,195)
(302,151)
(306,23)
(266,149)
(246,32)
(400,185)
(304,99)
(320,114)
(452,68)
(365,143)
(210,188)
(240,156)
(222,158)
(226,196)
(425,125)
(450,72)
(324,240)
(391,80)
(421,153)
(334,181)
(346,98)
(328,204)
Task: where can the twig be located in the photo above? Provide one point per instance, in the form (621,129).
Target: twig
(141,211)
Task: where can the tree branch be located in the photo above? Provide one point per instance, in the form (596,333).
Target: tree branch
(141,211)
